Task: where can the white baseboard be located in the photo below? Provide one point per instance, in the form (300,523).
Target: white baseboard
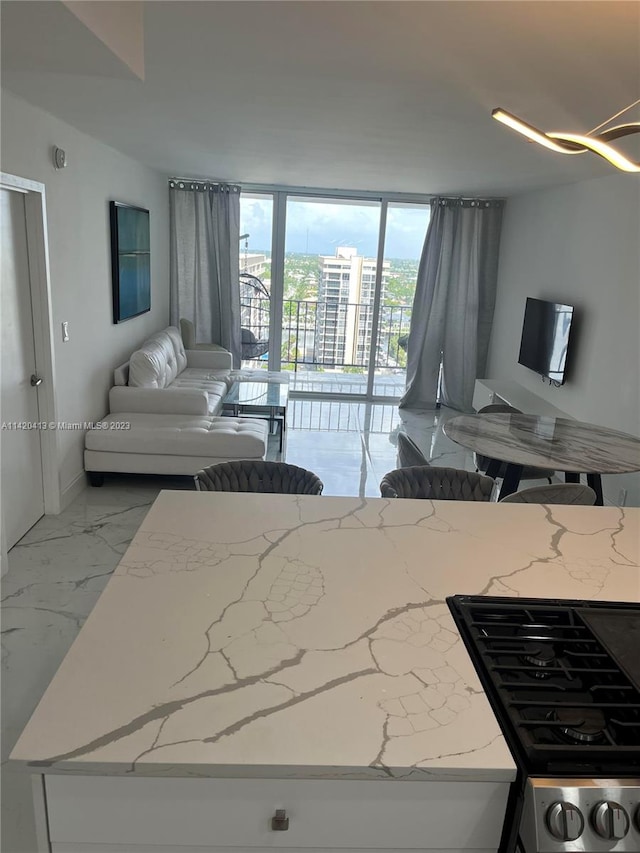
(71,492)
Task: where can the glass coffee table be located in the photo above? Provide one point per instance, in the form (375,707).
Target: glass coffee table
(266,400)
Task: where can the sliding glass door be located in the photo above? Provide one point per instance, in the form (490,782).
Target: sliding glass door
(321,298)
(328,295)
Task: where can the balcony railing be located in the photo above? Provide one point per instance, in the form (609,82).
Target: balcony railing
(333,335)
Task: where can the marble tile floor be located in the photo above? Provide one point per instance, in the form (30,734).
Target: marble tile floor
(350,446)
(58,570)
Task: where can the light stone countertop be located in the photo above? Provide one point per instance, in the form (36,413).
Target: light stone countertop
(281,636)
(543,441)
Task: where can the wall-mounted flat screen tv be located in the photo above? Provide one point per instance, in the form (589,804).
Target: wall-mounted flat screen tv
(130,261)
(546,331)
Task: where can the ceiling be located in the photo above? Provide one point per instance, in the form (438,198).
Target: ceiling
(389,96)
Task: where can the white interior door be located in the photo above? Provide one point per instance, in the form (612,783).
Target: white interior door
(20,448)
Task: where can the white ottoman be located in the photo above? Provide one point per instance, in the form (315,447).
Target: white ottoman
(141,443)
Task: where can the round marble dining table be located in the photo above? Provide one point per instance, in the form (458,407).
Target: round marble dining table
(540,441)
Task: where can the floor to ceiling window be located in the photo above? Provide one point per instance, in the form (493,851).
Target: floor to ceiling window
(319,297)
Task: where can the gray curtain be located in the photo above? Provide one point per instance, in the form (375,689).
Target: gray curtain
(204,248)
(454,301)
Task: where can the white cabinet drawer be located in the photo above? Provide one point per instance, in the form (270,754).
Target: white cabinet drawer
(236,813)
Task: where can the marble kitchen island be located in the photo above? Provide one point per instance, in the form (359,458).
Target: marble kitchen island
(254,653)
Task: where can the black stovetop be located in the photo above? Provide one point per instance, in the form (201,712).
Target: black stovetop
(563,678)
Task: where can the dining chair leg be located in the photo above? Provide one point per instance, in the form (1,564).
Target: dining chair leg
(511,480)
(595,482)
(493,467)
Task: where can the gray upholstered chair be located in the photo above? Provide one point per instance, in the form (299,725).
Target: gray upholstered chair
(483,462)
(256,475)
(409,453)
(559,493)
(439,484)
(188,333)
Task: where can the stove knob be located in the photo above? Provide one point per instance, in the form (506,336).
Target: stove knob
(565,821)
(610,820)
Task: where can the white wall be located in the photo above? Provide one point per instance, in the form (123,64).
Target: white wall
(578,244)
(80,262)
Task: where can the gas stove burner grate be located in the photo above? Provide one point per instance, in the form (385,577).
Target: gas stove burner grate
(581,725)
(540,655)
(538,649)
(561,696)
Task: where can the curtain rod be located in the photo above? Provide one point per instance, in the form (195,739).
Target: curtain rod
(372,195)
(193,180)
(420,198)
(202,182)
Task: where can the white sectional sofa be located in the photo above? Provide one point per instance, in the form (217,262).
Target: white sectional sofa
(165,414)
(162,377)
(169,444)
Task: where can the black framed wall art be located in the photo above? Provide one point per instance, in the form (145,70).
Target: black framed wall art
(130,261)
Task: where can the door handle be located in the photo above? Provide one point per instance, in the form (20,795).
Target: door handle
(36,380)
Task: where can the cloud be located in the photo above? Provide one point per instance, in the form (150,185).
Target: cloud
(318,227)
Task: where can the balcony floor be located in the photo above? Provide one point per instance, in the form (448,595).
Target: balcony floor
(349,384)
(390,386)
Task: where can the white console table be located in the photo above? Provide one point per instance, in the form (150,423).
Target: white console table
(488,391)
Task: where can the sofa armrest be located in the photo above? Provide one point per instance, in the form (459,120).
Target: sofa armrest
(158,401)
(209,359)
(121,374)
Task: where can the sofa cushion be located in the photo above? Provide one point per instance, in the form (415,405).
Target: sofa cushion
(215,389)
(159,360)
(180,435)
(196,377)
(161,401)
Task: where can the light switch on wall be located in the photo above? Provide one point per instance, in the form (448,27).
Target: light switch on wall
(65,331)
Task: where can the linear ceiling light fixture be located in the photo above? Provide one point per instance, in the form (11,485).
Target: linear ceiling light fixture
(576,143)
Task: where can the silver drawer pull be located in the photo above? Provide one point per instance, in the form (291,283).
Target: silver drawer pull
(280,821)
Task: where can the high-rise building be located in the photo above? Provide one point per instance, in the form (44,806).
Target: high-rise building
(253,263)
(345,307)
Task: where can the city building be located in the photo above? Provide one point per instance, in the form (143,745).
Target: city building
(253,263)
(345,307)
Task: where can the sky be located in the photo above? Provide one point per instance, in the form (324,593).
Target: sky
(318,227)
